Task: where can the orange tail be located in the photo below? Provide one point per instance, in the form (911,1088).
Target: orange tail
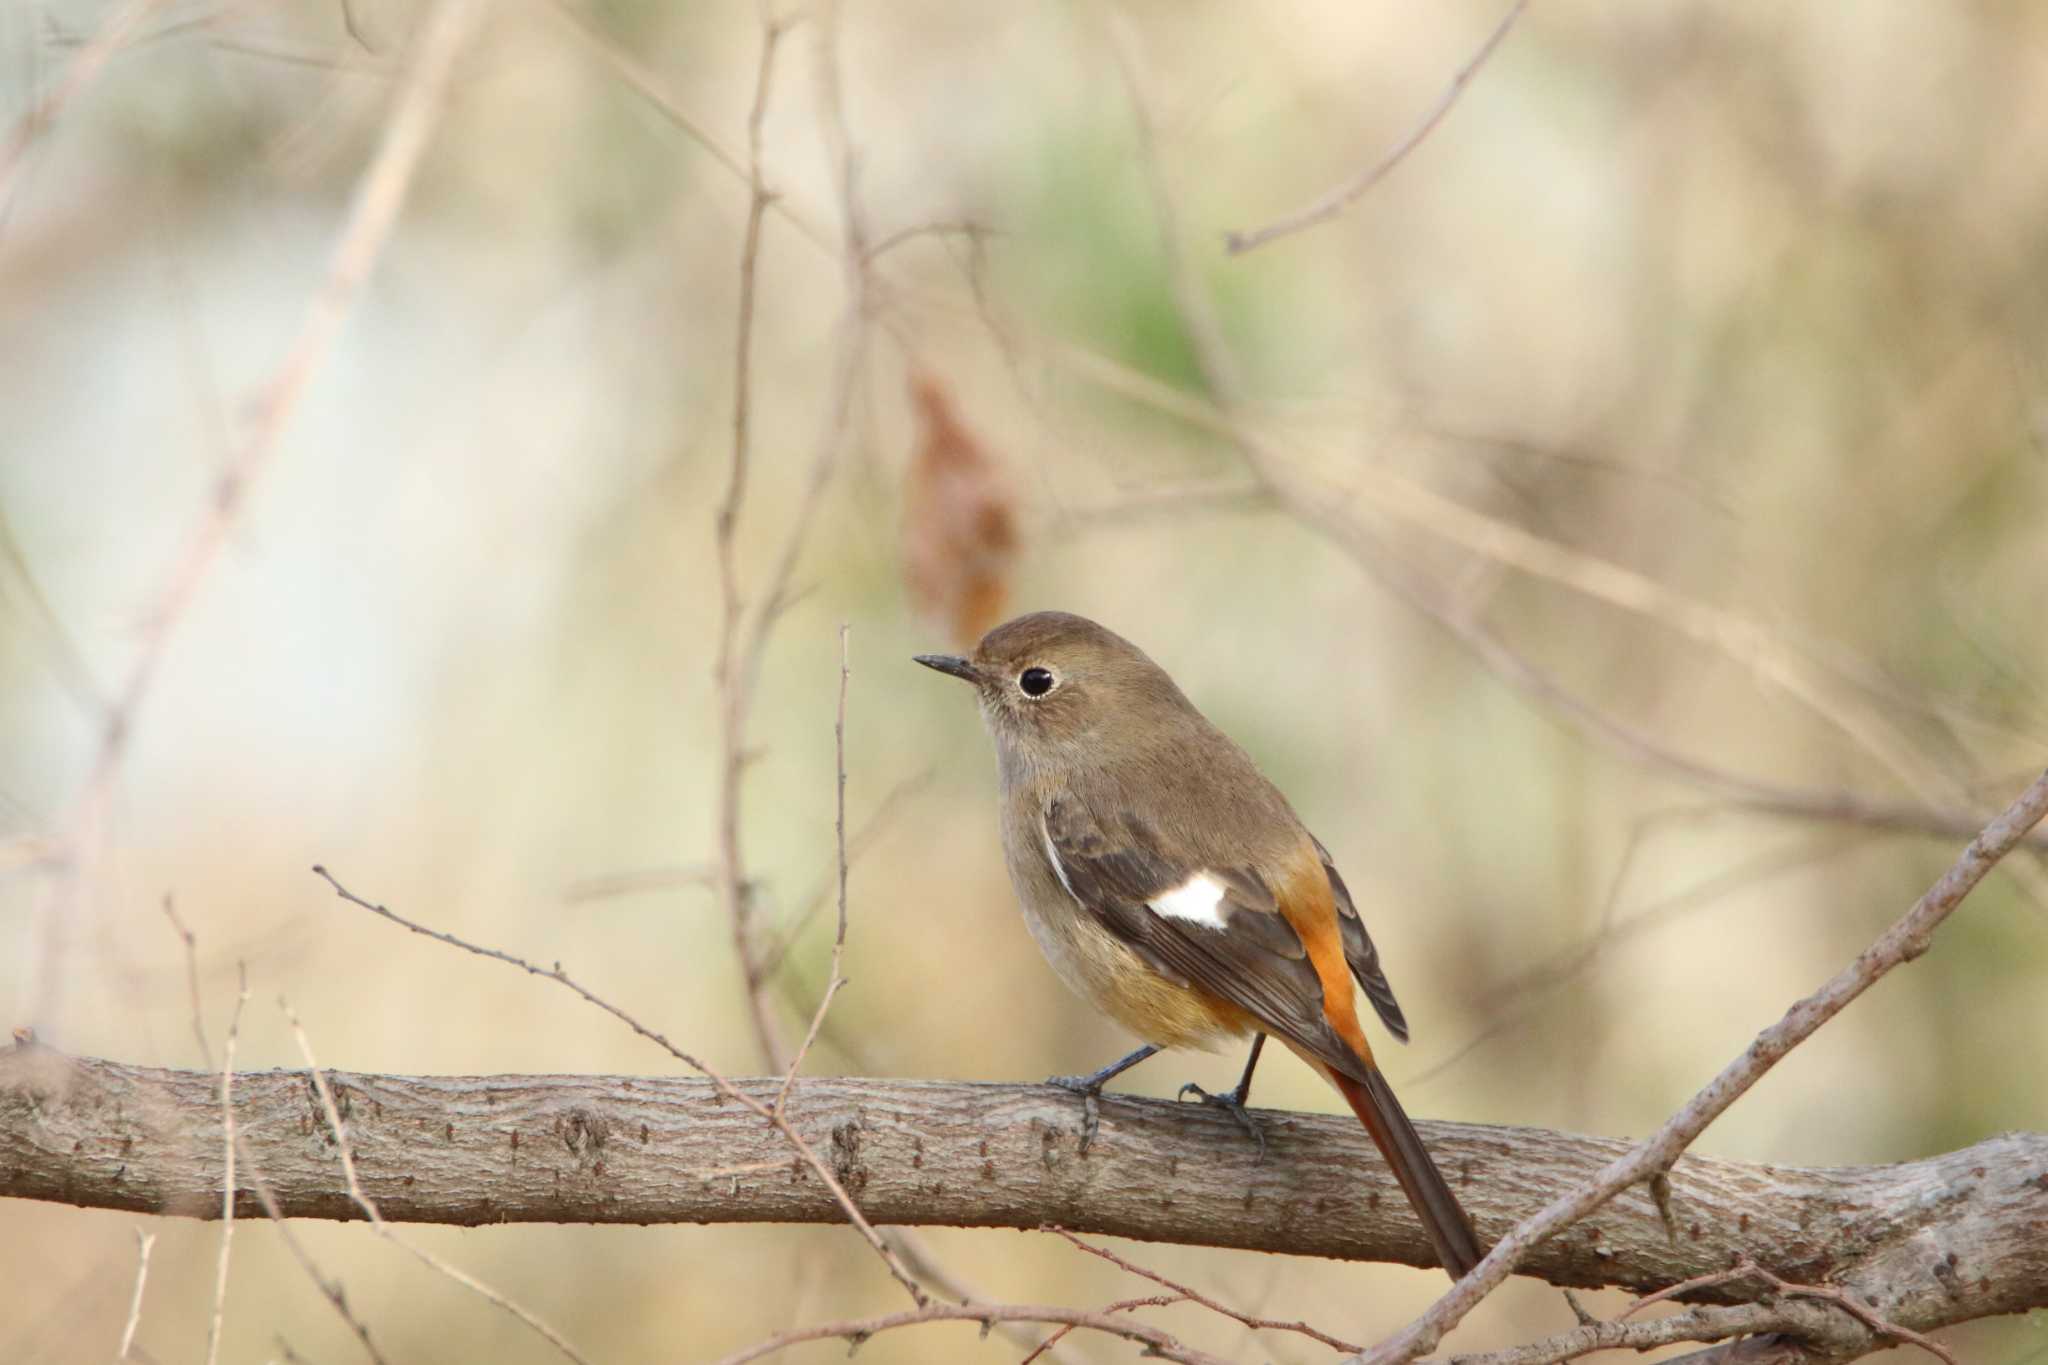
(1443,1217)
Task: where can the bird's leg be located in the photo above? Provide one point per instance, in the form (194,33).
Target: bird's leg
(1232,1101)
(1089,1087)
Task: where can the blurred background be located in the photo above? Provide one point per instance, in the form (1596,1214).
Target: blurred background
(1745,301)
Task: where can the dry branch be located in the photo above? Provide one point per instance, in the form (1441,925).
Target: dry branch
(1931,1242)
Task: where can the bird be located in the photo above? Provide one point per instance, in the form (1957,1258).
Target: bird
(1170,884)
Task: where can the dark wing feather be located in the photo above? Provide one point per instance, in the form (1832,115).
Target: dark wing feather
(1360,953)
(1256,962)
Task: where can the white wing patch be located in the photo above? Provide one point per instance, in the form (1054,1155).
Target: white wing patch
(1052,856)
(1198,900)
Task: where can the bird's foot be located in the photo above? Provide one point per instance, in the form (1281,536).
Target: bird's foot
(1232,1103)
(1089,1088)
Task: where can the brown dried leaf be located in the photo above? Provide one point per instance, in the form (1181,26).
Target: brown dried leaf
(959,521)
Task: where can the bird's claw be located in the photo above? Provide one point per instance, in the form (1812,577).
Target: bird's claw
(1231,1102)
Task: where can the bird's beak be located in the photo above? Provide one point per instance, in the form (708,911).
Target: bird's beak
(951,663)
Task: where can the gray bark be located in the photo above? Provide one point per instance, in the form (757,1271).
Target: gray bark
(1946,1239)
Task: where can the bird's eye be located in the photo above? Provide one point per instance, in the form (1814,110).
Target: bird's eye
(1036,682)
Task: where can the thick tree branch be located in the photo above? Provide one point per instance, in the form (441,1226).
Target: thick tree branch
(1949,1238)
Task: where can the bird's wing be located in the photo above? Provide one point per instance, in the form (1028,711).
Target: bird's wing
(1360,954)
(1217,929)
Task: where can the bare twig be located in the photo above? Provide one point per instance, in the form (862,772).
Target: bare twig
(725,1087)
(1885,1329)
(917,1253)
(380,194)
(192,979)
(330,1289)
(857,1331)
(143,1243)
(1335,201)
(1741,1270)
(1718,1324)
(227,1184)
(1905,940)
(833,980)
(1197,1297)
(384,1229)
(1705,1323)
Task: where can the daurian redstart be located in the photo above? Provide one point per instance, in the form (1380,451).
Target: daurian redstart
(1171,885)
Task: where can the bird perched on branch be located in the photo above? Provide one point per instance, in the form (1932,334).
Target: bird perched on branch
(1172,886)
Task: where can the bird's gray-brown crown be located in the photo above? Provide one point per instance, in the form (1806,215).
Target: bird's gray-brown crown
(1058,675)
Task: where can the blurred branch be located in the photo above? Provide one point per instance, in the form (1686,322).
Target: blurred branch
(636,881)
(1798,672)
(1335,201)
(1948,1238)
(735,684)
(113,35)
(743,635)
(379,195)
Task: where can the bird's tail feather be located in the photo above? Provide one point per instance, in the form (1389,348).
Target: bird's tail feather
(1443,1217)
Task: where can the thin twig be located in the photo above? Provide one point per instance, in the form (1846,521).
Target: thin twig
(833,980)
(384,1229)
(1905,940)
(1335,201)
(857,1331)
(228,1143)
(1721,1323)
(191,941)
(725,1087)
(1197,1297)
(919,1256)
(1742,1270)
(1884,1328)
(330,1289)
(1748,1269)
(143,1243)
(1704,1323)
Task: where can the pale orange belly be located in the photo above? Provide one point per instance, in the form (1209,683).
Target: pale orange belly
(1102,970)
